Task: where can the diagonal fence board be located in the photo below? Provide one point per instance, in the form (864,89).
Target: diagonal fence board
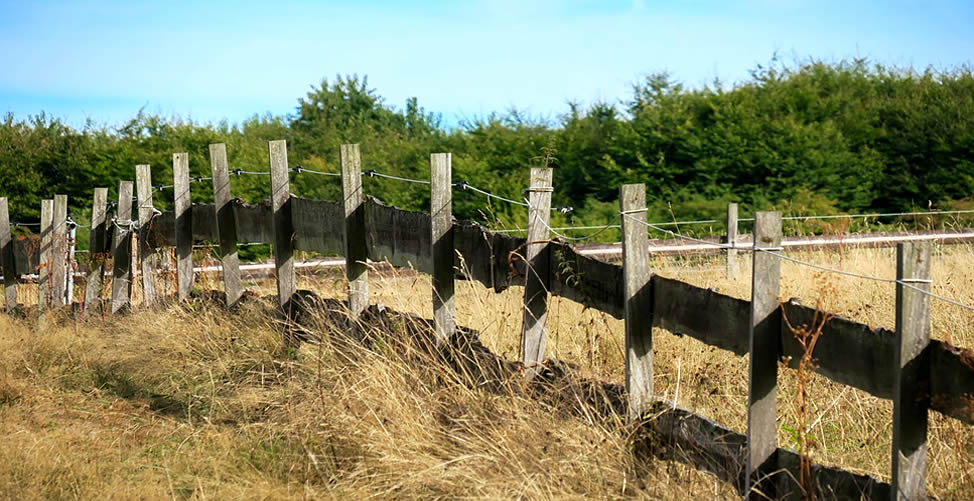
(398,236)
(586,280)
(847,352)
(319,225)
(679,308)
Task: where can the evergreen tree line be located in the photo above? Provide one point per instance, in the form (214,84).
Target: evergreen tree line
(809,138)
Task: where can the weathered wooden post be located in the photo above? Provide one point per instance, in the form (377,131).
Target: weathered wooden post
(911,394)
(45,264)
(226,223)
(69,272)
(356,252)
(538,273)
(765,348)
(147,256)
(184,224)
(731,241)
(638,299)
(7,263)
(97,249)
(441,211)
(59,250)
(122,250)
(283,230)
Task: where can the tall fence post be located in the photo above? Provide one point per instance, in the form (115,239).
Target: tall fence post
(226,223)
(147,255)
(911,393)
(538,273)
(638,299)
(441,211)
(765,347)
(7,263)
(69,272)
(122,250)
(59,250)
(283,231)
(356,252)
(97,250)
(45,264)
(184,224)
(731,241)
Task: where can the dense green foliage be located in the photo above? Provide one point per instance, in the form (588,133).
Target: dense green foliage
(812,138)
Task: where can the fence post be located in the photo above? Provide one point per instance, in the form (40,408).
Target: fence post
(356,252)
(69,272)
(638,299)
(7,263)
(122,250)
(226,223)
(184,224)
(59,250)
(147,256)
(283,230)
(44,264)
(441,210)
(911,394)
(765,348)
(731,241)
(97,249)
(537,272)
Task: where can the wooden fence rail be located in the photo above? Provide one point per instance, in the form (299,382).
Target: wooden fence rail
(905,366)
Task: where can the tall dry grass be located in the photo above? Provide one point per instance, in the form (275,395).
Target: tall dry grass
(195,402)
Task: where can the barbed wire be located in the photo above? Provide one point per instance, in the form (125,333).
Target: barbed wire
(463,185)
(238,172)
(675,234)
(574,239)
(374,173)
(299,169)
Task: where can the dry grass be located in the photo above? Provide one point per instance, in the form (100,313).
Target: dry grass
(194,402)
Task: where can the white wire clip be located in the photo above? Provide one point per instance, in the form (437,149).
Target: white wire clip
(633,211)
(915,280)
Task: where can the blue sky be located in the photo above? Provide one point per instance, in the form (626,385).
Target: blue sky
(231,59)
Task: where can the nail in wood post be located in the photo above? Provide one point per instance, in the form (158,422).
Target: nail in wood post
(441,210)
(356,253)
(226,223)
(147,255)
(45,265)
(731,241)
(638,299)
(122,250)
(97,250)
(59,250)
(283,226)
(7,264)
(765,349)
(911,382)
(536,283)
(184,224)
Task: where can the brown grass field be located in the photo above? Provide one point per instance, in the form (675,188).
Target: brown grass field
(193,402)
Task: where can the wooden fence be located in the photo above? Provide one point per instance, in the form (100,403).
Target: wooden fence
(918,374)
